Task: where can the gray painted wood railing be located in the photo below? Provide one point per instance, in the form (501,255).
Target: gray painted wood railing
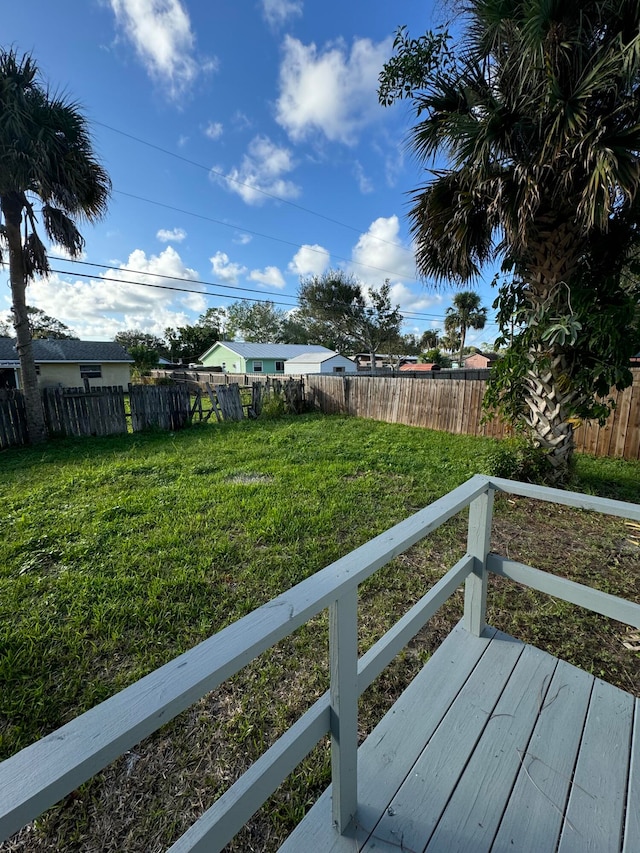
(40,775)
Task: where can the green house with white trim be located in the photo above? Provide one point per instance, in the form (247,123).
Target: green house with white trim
(240,357)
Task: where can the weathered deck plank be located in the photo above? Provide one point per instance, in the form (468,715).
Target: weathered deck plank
(495,746)
(598,795)
(534,815)
(632,828)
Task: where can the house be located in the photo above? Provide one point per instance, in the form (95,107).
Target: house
(240,357)
(319,362)
(68,363)
(383,361)
(480,360)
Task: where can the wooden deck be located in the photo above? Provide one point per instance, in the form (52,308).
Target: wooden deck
(495,746)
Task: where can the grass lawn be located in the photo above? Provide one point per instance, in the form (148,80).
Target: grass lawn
(120,553)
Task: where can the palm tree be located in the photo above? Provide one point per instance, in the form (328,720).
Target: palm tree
(47,160)
(465,314)
(538,112)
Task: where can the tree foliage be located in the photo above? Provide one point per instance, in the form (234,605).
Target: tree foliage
(537,109)
(465,313)
(255,322)
(339,314)
(137,338)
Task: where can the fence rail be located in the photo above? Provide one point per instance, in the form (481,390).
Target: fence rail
(43,773)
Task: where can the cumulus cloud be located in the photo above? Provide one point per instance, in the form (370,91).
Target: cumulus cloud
(381,247)
(269,277)
(160,31)
(213,130)
(61,252)
(224,270)
(242,239)
(278,12)
(176,235)
(310,260)
(261,171)
(333,91)
(98,308)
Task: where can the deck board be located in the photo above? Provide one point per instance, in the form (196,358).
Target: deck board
(598,795)
(479,754)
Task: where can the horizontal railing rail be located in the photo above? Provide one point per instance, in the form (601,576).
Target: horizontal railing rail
(40,775)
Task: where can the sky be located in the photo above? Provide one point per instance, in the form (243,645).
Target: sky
(247,149)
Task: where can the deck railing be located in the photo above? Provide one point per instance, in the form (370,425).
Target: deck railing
(43,773)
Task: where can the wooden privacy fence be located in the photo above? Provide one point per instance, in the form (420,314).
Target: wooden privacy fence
(455,405)
(100,411)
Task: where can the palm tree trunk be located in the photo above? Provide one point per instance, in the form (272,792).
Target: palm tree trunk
(549,396)
(36,428)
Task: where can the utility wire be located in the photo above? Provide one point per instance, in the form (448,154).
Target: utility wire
(265,193)
(259,234)
(416,315)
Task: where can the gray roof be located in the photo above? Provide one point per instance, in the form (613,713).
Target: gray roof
(314,357)
(66,350)
(278,351)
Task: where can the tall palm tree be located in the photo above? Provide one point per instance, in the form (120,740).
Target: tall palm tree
(538,113)
(465,314)
(48,169)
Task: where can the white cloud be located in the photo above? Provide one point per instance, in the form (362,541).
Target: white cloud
(262,171)
(98,308)
(225,270)
(242,239)
(277,12)
(61,252)
(381,247)
(160,31)
(176,235)
(310,260)
(269,276)
(333,91)
(414,299)
(365,184)
(213,130)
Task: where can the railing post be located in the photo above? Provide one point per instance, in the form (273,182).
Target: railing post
(478,544)
(343,653)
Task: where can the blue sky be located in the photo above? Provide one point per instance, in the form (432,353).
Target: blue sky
(246,148)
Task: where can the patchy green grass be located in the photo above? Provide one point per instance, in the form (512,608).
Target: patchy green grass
(120,553)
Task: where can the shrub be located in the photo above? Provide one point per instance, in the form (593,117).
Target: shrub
(518,459)
(273,407)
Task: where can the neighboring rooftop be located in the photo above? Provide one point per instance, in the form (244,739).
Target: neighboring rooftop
(286,351)
(313,357)
(50,349)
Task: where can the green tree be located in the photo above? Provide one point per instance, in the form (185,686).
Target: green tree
(137,338)
(188,343)
(41,325)
(338,314)
(435,356)
(144,358)
(48,160)
(255,322)
(465,313)
(429,340)
(538,113)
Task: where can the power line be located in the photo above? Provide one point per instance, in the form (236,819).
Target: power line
(265,193)
(415,315)
(259,234)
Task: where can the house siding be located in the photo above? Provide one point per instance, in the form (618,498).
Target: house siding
(68,375)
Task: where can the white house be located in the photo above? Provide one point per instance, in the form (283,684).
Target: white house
(319,362)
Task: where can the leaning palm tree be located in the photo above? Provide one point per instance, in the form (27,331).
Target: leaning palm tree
(465,313)
(47,169)
(538,114)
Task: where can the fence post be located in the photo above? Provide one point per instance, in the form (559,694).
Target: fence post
(478,544)
(343,654)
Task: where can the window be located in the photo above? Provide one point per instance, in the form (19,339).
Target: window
(279,366)
(257,367)
(90,371)
(338,369)
(37,370)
